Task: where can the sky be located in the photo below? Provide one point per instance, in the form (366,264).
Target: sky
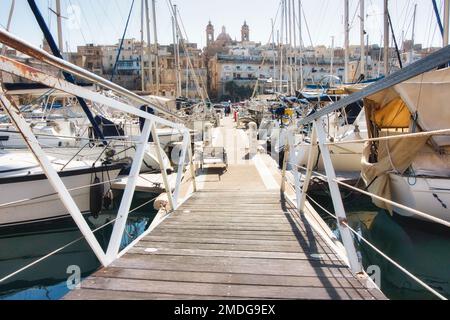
(103,21)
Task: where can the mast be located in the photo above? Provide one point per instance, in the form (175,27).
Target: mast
(294,29)
(142,48)
(446,21)
(363,44)
(155,37)
(274,57)
(332,59)
(8,24)
(289,55)
(177,35)
(386,38)
(301,42)
(346,41)
(281,44)
(413,34)
(175,56)
(149,44)
(58,17)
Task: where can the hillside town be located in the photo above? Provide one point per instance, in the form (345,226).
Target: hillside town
(228,69)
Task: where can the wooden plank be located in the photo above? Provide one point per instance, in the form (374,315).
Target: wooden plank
(229,244)
(232,265)
(206,289)
(101,294)
(223,278)
(231,253)
(235,246)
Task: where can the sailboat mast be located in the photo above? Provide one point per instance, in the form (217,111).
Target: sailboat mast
(177,35)
(274,57)
(362,39)
(332,58)
(289,56)
(8,24)
(155,37)
(142,48)
(446,21)
(175,56)
(294,29)
(59,20)
(283,3)
(413,34)
(301,42)
(149,44)
(386,38)
(346,40)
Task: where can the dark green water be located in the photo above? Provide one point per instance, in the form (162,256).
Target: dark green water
(47,279)
(420,247)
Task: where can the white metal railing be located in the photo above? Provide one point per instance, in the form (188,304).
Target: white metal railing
(318,141)
(150,127)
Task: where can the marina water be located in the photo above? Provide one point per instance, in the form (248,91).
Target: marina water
(47,280)
(420,247)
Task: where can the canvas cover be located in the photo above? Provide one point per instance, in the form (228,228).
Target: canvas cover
(425,98)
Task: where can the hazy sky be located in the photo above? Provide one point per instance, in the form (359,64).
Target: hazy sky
(103,21)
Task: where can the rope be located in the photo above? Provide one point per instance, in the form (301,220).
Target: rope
(372,195)
(360,237)
(443,132)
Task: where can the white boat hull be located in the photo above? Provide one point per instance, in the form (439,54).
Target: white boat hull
(345,157)
(428,195)
(45,204)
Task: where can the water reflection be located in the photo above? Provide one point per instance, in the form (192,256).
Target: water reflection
(47,279)
(419,246)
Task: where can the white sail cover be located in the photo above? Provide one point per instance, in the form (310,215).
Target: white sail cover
(428,95)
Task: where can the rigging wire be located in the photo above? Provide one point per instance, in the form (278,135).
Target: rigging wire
(122,41)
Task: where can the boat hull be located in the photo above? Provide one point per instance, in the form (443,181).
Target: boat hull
(428,195)
(41,201)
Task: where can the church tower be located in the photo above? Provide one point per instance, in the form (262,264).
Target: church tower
(209,34)
(245,32)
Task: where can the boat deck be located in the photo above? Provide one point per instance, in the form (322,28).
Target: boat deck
(234,239)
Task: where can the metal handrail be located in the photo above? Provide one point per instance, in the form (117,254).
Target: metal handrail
(432,61)
(151,122)
(20,45)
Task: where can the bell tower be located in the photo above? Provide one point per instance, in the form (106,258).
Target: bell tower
(209,34)
(245,32)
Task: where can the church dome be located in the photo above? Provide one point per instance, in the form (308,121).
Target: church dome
(224,36)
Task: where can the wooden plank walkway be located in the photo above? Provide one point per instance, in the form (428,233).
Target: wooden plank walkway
(224,244)
(234,239)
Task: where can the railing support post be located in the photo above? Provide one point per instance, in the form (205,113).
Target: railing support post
(125,204)
(295,172)
(181,166)
(191,165)
(285,163)
(163,167)
(346,235)
(309,169)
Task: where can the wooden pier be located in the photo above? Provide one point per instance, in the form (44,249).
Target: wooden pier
(234,239)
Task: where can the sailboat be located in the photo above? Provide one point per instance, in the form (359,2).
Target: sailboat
(414,172)
(28,197)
